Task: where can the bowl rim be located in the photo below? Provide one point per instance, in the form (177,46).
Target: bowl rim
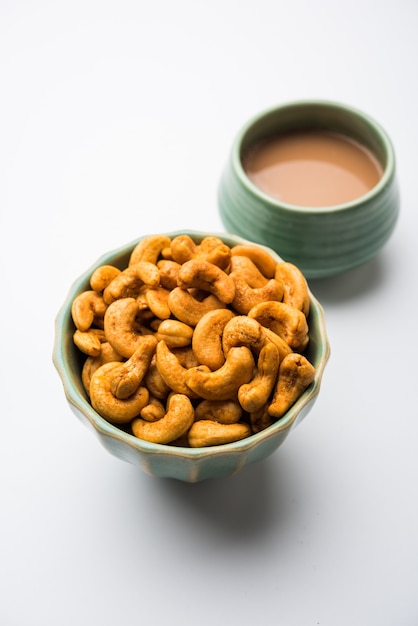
(107,429)
(385,180)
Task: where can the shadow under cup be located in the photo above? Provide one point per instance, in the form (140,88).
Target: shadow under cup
(321,241)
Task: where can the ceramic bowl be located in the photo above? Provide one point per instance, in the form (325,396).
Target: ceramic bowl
(186,464)
(322,241)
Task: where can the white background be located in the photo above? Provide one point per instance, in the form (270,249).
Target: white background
(116,119)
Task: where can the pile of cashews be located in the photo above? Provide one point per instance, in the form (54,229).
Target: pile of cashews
(194,343)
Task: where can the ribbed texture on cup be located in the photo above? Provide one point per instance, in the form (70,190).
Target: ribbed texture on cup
(320,242)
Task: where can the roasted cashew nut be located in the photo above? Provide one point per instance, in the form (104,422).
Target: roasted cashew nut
(89,341)
(280,343)
(211,249)
(254,395)
(186,357)
(207,338)
(260,420)
(154,382)
(175,334)
(120,326)
(157,300)
(205,433)
(284,320)
(172,372)
(153,411)
(243,331)
(130,281)
(222,384)
(295,374)
(260,257)
(168,273)
(208,277)
(104,402)
(91,364)
(130,375)
(103,276)
(86,308)
(149,249)
(214,250)
(246,297)
(222,411)
(177,421)
(144,314)
(182,249)
(295,288)
(188,309)
(246,268)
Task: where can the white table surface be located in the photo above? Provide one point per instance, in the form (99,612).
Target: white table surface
(116,119)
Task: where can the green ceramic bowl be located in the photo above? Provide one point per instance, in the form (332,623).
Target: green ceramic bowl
(321,241)
(186,464)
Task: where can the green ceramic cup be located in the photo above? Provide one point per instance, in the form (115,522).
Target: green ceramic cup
(322,241)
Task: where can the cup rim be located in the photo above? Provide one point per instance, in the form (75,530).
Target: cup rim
(378,130)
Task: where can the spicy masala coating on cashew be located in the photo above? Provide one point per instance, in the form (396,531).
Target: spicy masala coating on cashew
(194,342)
